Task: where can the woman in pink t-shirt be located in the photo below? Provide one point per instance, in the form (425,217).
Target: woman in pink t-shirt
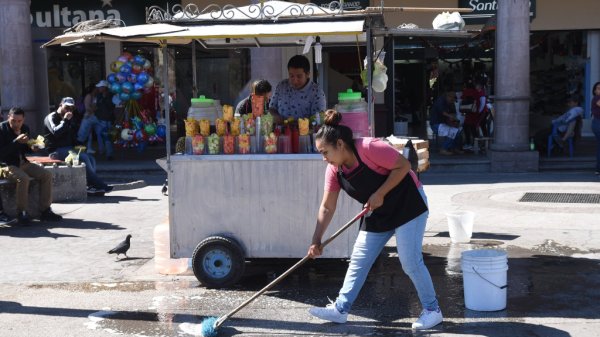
(377,176)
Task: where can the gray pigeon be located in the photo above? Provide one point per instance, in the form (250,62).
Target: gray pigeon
(122,247)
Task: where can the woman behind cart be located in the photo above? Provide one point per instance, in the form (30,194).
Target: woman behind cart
(376,175)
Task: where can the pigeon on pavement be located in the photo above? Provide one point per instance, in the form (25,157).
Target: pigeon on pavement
(122,247)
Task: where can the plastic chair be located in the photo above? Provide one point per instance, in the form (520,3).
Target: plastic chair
(551,144)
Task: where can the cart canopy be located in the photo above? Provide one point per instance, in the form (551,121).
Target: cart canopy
(136,33)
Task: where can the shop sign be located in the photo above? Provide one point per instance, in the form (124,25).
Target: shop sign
(485,9)
(348,5)
(66,13)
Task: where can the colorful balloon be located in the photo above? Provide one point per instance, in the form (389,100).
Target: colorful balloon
(111,78)
(161,130)
(132,78)
(150,129)
(147,65)
(125,69)
(115,88)
(139,60)
(121,78)
(150,82)
(138,87)
(122,59)
(115,66)
(127,135)
(136,69)
(142,78)
(127,55)
(124,96)
(126,87)
(136,95)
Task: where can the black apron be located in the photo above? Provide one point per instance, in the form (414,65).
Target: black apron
(400,205)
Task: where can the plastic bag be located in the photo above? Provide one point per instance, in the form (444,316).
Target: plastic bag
(380,77)
(449,21)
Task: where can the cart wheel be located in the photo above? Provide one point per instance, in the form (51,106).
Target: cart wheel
(218,262)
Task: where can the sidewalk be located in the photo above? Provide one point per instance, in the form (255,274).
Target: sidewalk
(59,274)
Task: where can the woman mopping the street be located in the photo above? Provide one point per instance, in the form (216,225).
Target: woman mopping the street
(379,177)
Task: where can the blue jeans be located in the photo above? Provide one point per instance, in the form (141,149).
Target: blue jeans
(596,131)
(91,177)
(449,143)
(107,142)
(368,246)
(87,125)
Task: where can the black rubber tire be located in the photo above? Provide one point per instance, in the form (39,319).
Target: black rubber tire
(218,262)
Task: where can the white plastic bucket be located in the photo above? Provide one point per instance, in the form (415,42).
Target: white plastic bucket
(460,226)
(484,279)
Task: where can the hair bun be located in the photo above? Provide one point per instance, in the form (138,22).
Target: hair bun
(332,117)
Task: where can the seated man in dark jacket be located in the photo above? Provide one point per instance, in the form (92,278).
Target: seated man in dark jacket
(13,146)
(61,134)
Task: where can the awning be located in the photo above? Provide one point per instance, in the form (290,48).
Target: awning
(265,34)
(137,33)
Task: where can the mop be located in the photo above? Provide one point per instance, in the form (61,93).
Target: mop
(210,325)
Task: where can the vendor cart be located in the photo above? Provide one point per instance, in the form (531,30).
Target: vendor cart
(226,209)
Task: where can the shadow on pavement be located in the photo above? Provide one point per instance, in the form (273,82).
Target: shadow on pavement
(37,229)
(116,199)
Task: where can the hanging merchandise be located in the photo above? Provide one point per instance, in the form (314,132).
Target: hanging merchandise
(130,80)
(380,77)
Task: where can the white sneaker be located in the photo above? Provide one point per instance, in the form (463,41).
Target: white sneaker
(428,319)
(329,313)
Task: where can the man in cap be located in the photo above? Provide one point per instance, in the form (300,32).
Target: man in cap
(14,137)
(60,132)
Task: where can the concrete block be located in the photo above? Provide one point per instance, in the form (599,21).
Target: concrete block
(8,192)
(68,183)
(514,161)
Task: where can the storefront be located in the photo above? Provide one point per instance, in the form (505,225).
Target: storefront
(72,69)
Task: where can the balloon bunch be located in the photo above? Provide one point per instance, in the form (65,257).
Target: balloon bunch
(140,131)
(130,78)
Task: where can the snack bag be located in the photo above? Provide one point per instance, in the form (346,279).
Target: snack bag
(227,113)
(191,127)
(38,142)
(244,144)
(204,127)
(198,145)
(221,126)
(228,144)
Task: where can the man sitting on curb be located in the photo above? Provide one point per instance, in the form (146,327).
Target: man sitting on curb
(14,135)
(60,134)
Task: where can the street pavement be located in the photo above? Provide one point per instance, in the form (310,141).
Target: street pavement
(57,279)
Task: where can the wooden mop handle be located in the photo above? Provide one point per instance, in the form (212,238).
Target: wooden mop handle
(222,319)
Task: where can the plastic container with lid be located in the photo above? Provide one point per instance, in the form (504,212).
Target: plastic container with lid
(354,112)
(203,108)
(202,102)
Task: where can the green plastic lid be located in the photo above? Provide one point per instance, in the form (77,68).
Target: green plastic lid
(203,99)
(349,95)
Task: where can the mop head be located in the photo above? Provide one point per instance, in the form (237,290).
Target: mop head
(208,327)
